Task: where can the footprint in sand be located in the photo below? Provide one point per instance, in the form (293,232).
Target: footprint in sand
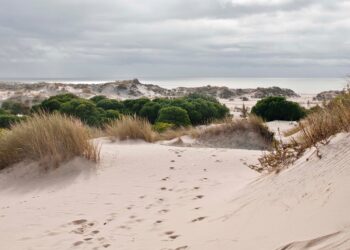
(79,222)
(83,225)
(163,211)
(173,237)
(198,197)
(78,243)
(199,219)
(181,248)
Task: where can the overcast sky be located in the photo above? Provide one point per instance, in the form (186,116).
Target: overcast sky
(174,38)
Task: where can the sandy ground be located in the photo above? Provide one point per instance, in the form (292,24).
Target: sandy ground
(149,196)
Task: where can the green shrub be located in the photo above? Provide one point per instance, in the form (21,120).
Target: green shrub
(278,108)
(6,120)
(162,126)
(15,108)
(110,104)
(133,106)
(175,115)
(150,111)
(112,114)
(98,98)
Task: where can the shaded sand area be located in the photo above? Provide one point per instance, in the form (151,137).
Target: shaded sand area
(150,196)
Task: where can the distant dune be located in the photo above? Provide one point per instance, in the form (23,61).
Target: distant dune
(36,92)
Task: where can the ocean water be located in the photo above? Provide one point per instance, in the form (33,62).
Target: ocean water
(299,85)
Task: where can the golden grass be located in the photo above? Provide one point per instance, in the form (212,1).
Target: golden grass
(130,127)
(318,127)
(49,139)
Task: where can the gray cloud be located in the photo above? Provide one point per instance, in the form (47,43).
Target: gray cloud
(154,38)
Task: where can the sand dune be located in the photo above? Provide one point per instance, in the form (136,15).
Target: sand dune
(149,196)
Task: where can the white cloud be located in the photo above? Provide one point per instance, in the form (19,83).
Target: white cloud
(116,38)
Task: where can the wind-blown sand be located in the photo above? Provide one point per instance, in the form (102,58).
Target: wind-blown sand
(149,196)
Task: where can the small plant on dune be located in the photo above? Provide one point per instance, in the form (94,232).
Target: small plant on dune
(49,139)
(161,127)
(130,127)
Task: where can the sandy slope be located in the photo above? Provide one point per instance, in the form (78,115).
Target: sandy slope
(148,197)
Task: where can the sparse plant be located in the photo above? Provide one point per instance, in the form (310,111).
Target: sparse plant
(244,112)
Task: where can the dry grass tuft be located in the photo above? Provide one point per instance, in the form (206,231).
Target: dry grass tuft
(176,133)
(130,127)
(249,133)
(49,139)
(317,128)
(291,131)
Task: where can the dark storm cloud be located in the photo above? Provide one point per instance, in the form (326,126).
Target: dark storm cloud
(154,38)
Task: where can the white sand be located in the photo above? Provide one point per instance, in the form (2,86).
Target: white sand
(206,199)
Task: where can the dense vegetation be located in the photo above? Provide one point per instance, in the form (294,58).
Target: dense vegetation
(278,108)
(193,109)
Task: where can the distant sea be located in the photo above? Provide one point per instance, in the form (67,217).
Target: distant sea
(299,85)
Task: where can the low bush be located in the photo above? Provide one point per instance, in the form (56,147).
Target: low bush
(278,108)
(162,126)
(15,107)
(175,115)
(49,139)
(130,127)
(6,120)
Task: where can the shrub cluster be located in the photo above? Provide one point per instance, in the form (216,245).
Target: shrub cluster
(190,110)
(278,108)
(88,111)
